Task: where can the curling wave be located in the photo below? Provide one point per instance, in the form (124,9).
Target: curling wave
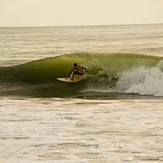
(118,73)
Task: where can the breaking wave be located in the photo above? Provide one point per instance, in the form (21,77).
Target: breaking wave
(107,74)
(143,81)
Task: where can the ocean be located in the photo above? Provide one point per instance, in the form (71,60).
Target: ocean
(113,115)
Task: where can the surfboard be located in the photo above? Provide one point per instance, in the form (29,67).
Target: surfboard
(75,79)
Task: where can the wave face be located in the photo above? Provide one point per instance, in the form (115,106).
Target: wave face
(107,74)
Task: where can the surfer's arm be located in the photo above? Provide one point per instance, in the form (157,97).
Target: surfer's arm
(71,71)
(85,69)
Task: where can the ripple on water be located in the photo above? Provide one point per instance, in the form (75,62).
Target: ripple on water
(89,155)
(52,156)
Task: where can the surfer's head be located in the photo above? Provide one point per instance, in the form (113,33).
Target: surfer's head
(75,64)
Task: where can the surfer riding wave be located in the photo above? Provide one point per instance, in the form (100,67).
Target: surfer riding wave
(77,70)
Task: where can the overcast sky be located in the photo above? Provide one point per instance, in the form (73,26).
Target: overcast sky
(79,12)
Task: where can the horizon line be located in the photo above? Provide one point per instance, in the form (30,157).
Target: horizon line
(33,26)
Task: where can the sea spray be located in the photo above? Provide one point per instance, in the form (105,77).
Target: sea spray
(142,80)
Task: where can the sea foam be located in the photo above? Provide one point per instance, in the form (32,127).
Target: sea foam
(142,80)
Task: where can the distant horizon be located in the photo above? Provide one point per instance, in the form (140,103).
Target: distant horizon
(80,25)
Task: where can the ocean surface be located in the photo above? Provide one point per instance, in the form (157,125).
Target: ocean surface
(114,115)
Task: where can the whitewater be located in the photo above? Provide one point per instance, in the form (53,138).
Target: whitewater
(113,115)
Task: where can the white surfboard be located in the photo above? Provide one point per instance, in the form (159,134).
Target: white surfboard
(69,80)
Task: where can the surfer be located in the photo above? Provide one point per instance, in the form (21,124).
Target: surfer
(77,70)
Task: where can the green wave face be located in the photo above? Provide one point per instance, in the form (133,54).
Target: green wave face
(103,69)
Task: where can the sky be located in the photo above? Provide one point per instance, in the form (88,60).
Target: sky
(79,12)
